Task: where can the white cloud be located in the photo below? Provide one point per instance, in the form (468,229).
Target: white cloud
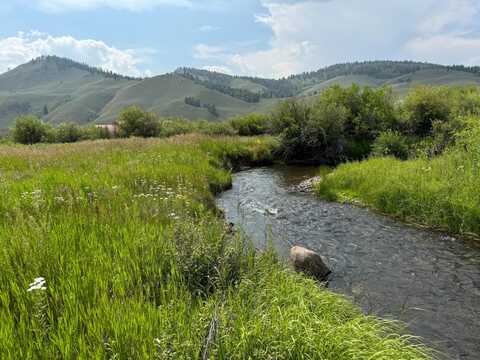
(449,16)
(205,52)
(449,35)
(277,62)
(446,49)
(309,34)
(209,28)
(56,6)
(133,5)
(23,47)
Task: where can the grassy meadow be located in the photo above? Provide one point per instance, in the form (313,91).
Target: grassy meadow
(113,249)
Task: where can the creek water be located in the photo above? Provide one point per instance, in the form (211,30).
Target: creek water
(428,280)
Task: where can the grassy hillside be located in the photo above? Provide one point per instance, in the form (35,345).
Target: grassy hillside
(62,90)
(113,249)
(56,89)
(434,77)
(344,81)
(165,95)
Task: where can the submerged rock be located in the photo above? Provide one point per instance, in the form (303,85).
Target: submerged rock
(309,262)
(307,185)
(229,228)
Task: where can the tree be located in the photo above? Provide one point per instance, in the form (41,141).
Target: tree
(190,100)
(212,109)
(134,121)
(29,130)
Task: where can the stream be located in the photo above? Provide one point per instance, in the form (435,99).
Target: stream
(428,280)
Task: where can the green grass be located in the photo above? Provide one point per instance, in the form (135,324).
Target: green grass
(138,264)
(440,193)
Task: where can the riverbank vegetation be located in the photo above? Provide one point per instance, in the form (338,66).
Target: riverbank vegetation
(114,249)
(441,191)
(345,124)
(423,167)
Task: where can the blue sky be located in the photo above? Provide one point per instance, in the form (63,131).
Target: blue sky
(270,38)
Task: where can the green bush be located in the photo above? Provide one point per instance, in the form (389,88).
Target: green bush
(68,133)
(289,121)
(172,127)
(30,130)
(251,125)
(133,121)
(214,128)
(425,105)
(95,133)
(368,111)
(340,125)
(391,143)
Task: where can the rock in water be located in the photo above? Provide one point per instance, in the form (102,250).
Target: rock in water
(307,186)
(309,262)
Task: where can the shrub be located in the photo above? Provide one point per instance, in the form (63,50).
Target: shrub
(288,121)
(466,100)
(213,128)
(425,105)
(68,133)
(95,133)
(340,125)
(30,130)
(133,121)
(251,125)
(369,111)
(391,143)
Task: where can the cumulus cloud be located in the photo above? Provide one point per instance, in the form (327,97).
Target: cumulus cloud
(450,49)
(449,35)
(23,47)
(308,34)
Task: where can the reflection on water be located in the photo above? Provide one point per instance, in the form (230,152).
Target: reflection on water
(428,280)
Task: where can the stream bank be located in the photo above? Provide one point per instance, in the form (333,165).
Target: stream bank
(428,280)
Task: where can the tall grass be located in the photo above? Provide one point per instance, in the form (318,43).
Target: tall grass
(440,192)
(138,265)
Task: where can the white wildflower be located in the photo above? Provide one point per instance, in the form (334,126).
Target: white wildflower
(174,216)
(37,284)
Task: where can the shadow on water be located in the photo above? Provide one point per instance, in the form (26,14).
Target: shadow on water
(428,280)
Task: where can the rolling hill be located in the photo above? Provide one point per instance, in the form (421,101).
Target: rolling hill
(61,90)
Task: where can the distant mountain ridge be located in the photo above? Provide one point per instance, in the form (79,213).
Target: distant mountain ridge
(59,89)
